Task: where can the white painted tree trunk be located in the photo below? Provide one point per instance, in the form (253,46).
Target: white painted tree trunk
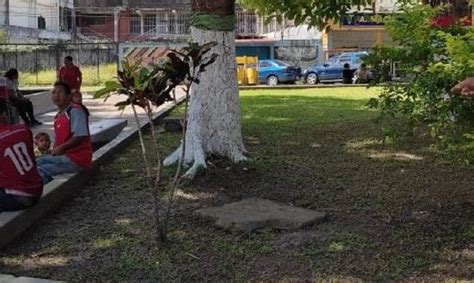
(213,125)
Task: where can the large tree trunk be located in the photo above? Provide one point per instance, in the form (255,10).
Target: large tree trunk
(213,126)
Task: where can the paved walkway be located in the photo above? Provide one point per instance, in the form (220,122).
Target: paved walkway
(100,110)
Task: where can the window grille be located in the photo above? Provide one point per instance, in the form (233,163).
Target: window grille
(150,24)
(162,22)
(135,25)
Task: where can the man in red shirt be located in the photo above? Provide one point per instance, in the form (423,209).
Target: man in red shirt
(20,184)
(72,149)
(70,74)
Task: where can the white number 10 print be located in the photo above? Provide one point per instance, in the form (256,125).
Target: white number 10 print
(20,157)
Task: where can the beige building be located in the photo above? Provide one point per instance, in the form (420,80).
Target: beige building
(362,29)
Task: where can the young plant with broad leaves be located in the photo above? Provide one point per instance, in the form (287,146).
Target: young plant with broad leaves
(149,87)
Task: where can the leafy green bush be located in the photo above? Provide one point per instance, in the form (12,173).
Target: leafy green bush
(432,60)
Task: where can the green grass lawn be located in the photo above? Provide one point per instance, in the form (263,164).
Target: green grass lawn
(90,76)
(395,212)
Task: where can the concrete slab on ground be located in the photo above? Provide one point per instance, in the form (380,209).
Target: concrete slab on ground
(13,279)
(255,213)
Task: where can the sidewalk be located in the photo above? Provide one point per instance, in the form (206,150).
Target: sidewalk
(100,110)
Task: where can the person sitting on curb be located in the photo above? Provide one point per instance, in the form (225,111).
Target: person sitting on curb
(42,144)
(77,98)
(72,150)
(21,103)
(20,184)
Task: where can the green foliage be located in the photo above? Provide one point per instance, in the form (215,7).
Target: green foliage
(316,13)
(432,60)
(153,84)
(212,22)
(470,146)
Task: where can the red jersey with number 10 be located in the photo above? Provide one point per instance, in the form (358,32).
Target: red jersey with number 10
(18,171)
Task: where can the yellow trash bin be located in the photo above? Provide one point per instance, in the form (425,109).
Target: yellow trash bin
(252,76)
(247,70)
(241,75)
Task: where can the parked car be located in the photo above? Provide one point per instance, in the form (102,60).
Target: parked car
(331,70)
(273,72)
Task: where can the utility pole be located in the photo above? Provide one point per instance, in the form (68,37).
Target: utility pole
(116,24)
(73,22)
(7,12)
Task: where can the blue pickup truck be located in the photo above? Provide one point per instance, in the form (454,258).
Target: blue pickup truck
(331,70)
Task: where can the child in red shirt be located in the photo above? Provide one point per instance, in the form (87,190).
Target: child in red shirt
(77,98)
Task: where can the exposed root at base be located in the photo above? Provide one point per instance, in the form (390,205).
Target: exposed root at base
(198,159)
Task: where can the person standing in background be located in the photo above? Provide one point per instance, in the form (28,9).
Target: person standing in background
(71,74)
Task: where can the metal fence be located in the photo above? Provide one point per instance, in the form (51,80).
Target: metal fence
(39,63)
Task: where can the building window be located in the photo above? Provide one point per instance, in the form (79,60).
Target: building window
(182,23)
(135,25)
(246,23)
(41,23)
(94,19)
(162,18)
(150,24)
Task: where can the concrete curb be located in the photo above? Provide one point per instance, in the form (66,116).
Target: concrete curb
(42,102)
(12,279)
(258,87)
(12,224)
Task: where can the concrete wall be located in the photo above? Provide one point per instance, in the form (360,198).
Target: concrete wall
(21,21)
(358,39)
(107,29)
(302,32)
(25,13)
(33,35)
(47,58)
(302,53)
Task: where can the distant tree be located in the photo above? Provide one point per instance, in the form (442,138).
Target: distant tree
(460,8)
(316,13)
